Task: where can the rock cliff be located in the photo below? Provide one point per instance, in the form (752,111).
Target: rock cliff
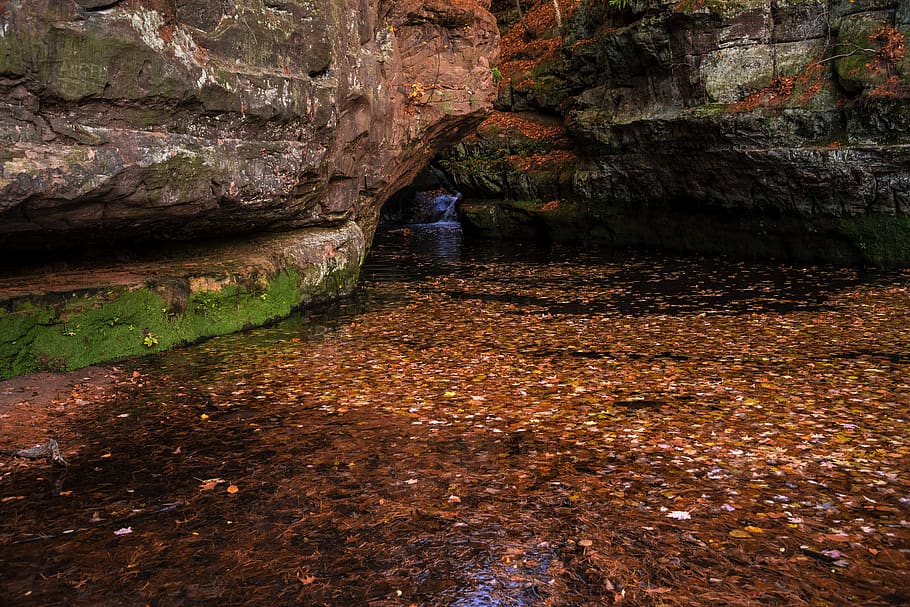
(126,122)
(759,127)
(125,119)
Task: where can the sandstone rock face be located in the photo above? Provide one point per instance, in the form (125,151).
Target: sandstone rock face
(126,120)
(768,128)
(277,127)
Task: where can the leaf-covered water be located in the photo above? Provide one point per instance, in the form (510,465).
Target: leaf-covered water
(498,428)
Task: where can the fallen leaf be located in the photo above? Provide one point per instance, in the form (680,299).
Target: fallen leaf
(124,531)
(209,484)
(838,537)
(585,543)
(740,534)
(680,515)
(233,489)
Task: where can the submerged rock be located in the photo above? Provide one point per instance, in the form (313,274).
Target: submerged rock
(745,126)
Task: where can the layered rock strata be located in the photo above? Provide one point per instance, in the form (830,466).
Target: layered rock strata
(748,126)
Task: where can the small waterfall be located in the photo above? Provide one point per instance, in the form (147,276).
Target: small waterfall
(430,199)
(415,207)
(435,206)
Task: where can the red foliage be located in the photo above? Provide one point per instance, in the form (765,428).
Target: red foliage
(893,48)
(529,128)
(522,50)
(806,84)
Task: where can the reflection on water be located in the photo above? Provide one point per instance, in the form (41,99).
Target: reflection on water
(403,249)
(500,427)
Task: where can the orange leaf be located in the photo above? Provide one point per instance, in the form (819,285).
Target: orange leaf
(233,489)
(210,484)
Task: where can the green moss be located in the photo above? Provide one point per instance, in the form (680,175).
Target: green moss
(59,333)
(871,240)
(859,65)
(709,110)
(14,54)
(731,8)
(180,174)
(882,240)
(524,219)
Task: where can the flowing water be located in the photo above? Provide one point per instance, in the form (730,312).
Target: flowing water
(498,427)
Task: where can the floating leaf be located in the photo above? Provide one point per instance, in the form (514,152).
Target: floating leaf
(679,515)
(208,485)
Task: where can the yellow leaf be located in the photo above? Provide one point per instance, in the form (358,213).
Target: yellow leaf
(449,394)
(204,416)
(740,533)
(752,529)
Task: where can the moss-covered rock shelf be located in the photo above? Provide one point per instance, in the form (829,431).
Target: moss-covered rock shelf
(59,319)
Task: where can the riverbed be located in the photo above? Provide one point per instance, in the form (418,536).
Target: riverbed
(494,426)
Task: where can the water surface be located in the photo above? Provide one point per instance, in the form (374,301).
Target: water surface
(499,427)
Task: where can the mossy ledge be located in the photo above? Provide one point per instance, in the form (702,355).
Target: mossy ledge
(62,320)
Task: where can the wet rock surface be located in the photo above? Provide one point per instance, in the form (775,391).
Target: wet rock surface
(754,127)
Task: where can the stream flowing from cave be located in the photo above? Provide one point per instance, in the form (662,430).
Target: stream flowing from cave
(499,426)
